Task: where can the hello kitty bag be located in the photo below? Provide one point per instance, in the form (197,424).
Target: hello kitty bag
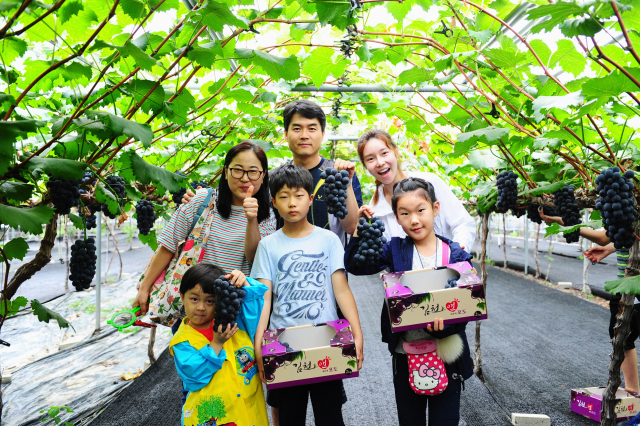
(427,375)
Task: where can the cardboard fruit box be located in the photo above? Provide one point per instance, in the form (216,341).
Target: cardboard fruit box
(415,298)
(588,402)
(309,354)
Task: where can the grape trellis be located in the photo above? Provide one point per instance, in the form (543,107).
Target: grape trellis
(121,90)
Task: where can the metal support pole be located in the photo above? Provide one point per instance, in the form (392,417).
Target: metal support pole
(585,261)
(98,264)
(526,246)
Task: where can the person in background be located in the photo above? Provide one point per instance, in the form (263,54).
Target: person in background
(629,366)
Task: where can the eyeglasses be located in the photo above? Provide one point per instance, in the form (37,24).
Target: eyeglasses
(238,173)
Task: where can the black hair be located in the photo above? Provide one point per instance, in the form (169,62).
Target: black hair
(225,197)
(305,108)
(204,274)
(409,185)
(292,176)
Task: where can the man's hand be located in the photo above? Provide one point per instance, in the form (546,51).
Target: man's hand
(438,325)
(596,254)
(236,278)
(188,196)
(341,164)
(250,205)
(549,219)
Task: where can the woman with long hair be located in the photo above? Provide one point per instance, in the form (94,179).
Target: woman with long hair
(242,217)
(380,156)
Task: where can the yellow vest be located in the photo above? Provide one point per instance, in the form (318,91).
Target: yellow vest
(234,396)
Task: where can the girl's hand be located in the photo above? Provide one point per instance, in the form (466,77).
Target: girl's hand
(188,196)
(438,325)
(221,336)
(236,278)
(250,205)
(142,300)
(359,352)
(257,348)
(366,211)
(549,219)
(341,164)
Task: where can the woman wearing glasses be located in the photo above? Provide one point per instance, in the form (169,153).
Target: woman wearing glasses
(242,218)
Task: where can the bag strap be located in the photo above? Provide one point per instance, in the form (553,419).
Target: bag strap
(446,252)
(201,209)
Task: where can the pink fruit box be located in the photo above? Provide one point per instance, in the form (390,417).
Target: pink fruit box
(309,354)
(415,298)
(588,402)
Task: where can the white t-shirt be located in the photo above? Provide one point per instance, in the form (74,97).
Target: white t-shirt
(453,222)
(300,272)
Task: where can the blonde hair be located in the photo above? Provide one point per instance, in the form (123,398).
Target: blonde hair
(384,137)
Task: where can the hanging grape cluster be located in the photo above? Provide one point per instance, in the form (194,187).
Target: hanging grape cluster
(228,302)
(350,39)
(371,240)
(64,194)
(343,79)
(116,183)
(565,201)
(91,220)
(88,179)
(145,216)
(617,205)
(507,184)
(518,210)
(534,214)
(83,263)
(335,108)
(335,191)
(178,195)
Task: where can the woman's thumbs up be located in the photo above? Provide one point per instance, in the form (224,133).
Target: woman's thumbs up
(250,205)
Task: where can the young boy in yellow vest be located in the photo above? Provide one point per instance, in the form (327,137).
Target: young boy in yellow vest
(218,367)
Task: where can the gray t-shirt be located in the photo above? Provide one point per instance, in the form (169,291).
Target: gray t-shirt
(300,271)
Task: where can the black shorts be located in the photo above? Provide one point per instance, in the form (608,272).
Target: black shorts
(326,400)
(272,397)
(630,342)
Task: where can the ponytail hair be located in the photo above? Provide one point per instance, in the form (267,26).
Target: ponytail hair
(384,137)
(410,185)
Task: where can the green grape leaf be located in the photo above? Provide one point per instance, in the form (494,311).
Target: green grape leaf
(481,36)
(483,159)
(15,249)
(144,61)
(274,13)
(140,88)
(558,13)
(30,220)
(45,314)
(545,189)
(78,222)
(610,85)
(503,58)
(166,5)
(12,48)
(541,49)
(149,240)
(588,27)
(205,54)
(215,15)
(627,285)
(75,149)
(543,104)
(568,58)
(488,135)
(334,13)
(364,53)
(13,305)
(104,195)
(275,67)
(69,9)
(16,191)
(10,131)
(146,173)
(315,66)
(121,126)
(57,167)
(133,8)
(181,106)
(399,10)
(557,229)
(413,75)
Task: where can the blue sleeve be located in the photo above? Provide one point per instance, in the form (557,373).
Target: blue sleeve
(357,190)
(384,261)
(262,263)
(252,307)
(197,367)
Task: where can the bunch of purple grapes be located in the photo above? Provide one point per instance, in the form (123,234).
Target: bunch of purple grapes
(271,364)
(534,214)
(335,191)
(229,300)
(371,240)
(617,204)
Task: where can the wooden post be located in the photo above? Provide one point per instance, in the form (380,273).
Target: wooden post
(621,332)
(477,352)
(535,252)
(152,341)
